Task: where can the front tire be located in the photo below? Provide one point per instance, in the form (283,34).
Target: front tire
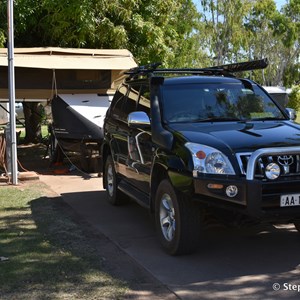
(177,220)
(114,195)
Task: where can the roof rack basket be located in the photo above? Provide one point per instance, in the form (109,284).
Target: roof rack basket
(244,66)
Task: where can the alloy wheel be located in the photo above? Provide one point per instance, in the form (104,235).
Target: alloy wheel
(110,180)
(167,217)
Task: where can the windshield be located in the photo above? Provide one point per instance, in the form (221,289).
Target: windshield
(217,102)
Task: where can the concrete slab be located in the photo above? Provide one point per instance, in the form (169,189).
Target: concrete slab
(22,176)
(29,175)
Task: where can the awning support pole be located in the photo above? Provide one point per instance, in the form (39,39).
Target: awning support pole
(11,80)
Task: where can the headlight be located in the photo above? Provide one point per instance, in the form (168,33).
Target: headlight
(209,160)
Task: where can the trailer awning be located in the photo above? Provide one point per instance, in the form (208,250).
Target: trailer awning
(42,72)
(70,59)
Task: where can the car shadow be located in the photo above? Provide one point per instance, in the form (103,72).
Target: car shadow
(223,253)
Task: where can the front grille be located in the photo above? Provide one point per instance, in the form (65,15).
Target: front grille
(289,164)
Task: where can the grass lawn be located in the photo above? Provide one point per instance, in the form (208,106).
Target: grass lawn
(48,255)
(21,129)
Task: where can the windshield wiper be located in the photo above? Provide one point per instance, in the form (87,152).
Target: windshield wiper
(267,119)
(217,119)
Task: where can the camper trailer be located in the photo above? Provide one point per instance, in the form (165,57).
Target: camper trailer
(4,115)
(79,83)
(77,127)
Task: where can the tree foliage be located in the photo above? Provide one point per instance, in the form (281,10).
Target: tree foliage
(294,98)
(150,29)
(239,30)
(170,31)
(224,28)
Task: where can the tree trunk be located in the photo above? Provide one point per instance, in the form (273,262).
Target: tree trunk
(33,118)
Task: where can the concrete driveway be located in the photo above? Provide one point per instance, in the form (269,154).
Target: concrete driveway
(257,263)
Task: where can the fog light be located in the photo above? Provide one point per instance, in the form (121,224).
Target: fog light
(231,191)
(272,171)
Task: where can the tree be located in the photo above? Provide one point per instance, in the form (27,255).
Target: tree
(239,30)
(261,39)
(224,28)
(149,29)
(287,28)
(190,49)
(33,113)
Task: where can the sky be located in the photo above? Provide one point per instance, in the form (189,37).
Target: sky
(279,3)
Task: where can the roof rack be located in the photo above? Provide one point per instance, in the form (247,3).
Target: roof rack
(223,70)
(142,70)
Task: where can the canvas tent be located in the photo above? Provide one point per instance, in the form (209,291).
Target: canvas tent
(42,72)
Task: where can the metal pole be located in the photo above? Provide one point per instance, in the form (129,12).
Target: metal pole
(11,80)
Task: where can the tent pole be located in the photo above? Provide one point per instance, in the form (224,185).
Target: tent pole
(11,80)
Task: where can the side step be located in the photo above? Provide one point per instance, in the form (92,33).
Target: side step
(138,196)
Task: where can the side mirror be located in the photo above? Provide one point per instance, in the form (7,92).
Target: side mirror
(138,119)
(292,113)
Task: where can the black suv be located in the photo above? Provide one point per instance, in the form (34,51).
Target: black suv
(184,142)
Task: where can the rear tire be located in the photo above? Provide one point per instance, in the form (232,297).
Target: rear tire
(114,195)
(177,219)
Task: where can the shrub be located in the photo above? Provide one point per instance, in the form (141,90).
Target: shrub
(294,98)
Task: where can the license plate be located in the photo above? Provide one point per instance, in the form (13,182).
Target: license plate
(290,200)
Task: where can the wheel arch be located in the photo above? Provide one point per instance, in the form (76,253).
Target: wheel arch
(173,169)
(159,172)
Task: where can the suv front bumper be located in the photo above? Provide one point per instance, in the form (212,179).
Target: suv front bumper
(255,198)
